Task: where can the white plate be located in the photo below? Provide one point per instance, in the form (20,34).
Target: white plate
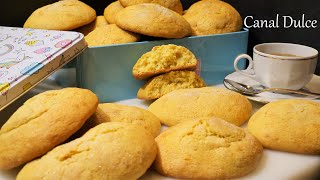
(266,97)
(274,165)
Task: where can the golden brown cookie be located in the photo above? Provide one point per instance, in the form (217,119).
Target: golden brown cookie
(174,5)
(61,15)
(198,103)
(165,83)
(43,122)
(207,149)
(99,21)
(213,17)
(162,59)
(111,10)
(288,125)
(114,150)
(112,112)
(110,34)
(153,20)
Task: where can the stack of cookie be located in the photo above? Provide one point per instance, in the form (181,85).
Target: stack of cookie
(124,21)
(167,68)
(122,142)
(130,19)
(159,18)
(204,140)
(118,142)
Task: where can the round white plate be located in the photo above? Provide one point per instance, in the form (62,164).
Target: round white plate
(266,97)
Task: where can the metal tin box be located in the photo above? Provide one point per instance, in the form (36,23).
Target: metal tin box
(107,70)
(28,56)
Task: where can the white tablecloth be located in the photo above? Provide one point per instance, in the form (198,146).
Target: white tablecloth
(274,164)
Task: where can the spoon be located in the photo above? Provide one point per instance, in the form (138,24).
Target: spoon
(251,91)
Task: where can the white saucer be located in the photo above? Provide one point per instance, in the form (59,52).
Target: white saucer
(266,97)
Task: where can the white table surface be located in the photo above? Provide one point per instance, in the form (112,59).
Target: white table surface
(274,165)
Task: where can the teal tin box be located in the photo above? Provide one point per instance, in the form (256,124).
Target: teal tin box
(107,70)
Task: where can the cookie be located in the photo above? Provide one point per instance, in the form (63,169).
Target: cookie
(110,34)
(198,103)
(162,59)
(99,21)
(165,83)
(112,112)
(174,5)
(43,122)
(111,10)
(113,150)
(207,149)
(61,15)
(213,17)
(153,20)
(288,125)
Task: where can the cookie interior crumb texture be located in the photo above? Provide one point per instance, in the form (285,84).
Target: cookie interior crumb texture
(162,59)
(165,83)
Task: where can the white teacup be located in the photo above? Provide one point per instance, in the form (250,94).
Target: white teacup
(281,65)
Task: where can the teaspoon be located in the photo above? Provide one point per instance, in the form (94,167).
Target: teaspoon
(249,90)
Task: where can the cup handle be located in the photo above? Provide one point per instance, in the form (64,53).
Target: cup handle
(235,65)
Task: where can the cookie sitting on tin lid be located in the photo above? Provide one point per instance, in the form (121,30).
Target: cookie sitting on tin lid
(174,5)
(213,17)
(165,83)
(61,15)
(162,59)
(111,11)
(110,34)
(99,21)
(153,20)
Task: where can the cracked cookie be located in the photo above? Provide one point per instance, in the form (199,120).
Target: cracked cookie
(43,122)
(207,149)
(288,125)
(165,83)
(113,150)
(162,59)
(196,103)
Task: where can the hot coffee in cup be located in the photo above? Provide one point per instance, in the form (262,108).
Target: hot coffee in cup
(281,65)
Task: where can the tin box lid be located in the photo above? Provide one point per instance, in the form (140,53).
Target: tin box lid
(28,56)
